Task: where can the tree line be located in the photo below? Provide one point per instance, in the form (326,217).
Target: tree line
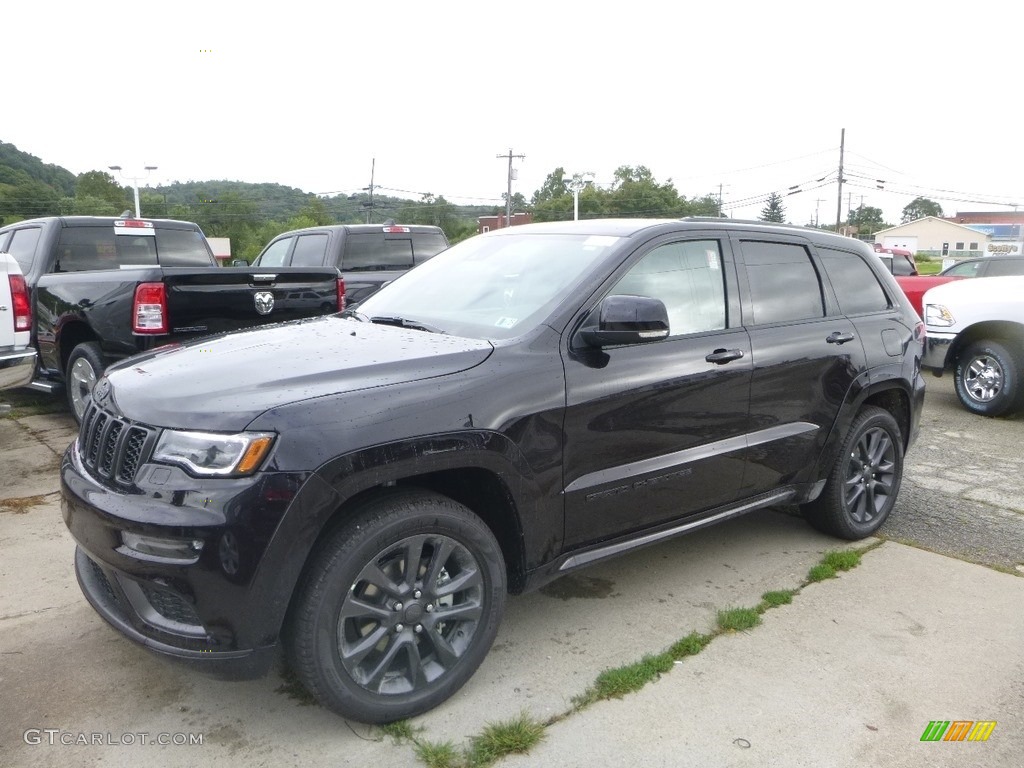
(252,214)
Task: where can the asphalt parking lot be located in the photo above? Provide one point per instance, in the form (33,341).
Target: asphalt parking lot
(928,627)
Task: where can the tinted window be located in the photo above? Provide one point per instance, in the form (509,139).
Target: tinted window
(1000,267)
(310,250)
(784,284)
(855,284)
(901,265)
(182,248)
(687,277)
(89,248)
(425,245)
(23,247)
(274,255)
(967,269)
(370,250)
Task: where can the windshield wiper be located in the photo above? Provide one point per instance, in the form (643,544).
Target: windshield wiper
(403,322)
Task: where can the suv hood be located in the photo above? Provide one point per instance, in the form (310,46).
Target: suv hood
(224,382)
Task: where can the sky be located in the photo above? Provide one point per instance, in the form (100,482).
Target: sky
(740,99)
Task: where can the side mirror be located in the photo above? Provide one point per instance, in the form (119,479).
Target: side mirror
(626,320)
(239,263)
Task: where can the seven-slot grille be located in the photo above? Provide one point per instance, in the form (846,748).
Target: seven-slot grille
(113,448)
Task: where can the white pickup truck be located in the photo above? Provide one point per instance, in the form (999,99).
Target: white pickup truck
(17,358)
(975,328)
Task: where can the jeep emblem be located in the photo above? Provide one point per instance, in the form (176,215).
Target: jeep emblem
(264,302)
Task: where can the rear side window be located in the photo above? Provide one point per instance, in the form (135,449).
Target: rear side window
(23,247)
(967,269)
(371,250)
(854,282)
(784,284)
(310,251)
(901,265)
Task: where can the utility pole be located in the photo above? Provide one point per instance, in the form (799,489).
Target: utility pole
(839,202)
(719,200)
(508,196)
(369,205)
(816,202)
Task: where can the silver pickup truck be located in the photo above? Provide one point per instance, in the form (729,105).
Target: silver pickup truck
(17,358)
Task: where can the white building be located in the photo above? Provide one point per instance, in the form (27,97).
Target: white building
(936,237)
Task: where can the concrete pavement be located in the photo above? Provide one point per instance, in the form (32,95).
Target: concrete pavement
(849,674)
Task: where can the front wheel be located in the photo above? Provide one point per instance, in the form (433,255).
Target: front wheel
(861,489)
(398,609)
(84,368)
(987,379)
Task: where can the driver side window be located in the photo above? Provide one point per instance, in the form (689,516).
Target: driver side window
(687,277)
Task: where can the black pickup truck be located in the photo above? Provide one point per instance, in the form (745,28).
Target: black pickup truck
(368,255)
(104,288)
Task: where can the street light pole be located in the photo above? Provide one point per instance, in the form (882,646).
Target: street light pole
(577,185)
(135,184)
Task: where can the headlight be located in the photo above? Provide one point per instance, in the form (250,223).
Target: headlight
(936,314)
(211,454)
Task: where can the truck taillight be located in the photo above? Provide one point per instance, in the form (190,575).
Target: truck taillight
(149,314)
(341,294)
(22,308)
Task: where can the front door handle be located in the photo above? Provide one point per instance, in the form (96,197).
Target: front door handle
(723,356)
(839,338)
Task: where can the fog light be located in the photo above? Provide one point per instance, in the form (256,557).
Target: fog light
(158,548)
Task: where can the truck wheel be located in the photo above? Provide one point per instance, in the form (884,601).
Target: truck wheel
(988,379)
(398,608)
(85,366)
(861,489)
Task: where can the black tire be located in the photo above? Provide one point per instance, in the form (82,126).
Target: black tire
(987,379)
(861,489)
(433,628)
(85,366)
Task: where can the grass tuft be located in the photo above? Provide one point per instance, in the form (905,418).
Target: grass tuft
(690,645)
(439,754)
(820,572)
(843,559)
(738,619)
(775,599)
(400,730)
(510,737)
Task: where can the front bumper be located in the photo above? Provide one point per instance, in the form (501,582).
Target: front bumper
(936,351)
(16,368)
(214,600)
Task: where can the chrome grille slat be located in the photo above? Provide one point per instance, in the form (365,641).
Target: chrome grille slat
(113,448)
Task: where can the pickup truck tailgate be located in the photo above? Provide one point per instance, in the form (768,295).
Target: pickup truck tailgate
(227,298)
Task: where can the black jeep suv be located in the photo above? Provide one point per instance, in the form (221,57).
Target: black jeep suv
(368,487)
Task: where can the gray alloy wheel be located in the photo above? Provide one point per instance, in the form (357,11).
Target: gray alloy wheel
(987,379)
(861,489)
(398,607)
(84,368)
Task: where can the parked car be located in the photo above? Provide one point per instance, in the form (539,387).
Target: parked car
(368,255)
(986,266)
(975,329)
(369,486)
(900,261)
(17,357)
(103,288)
(915,287)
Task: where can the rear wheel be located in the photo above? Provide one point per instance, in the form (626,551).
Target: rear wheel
(988,379)
(85,366)
(861,489)
(399,608)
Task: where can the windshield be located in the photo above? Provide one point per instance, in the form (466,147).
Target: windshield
(490,287)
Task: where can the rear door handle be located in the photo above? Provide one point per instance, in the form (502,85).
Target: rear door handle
(723,356)
(839,338)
